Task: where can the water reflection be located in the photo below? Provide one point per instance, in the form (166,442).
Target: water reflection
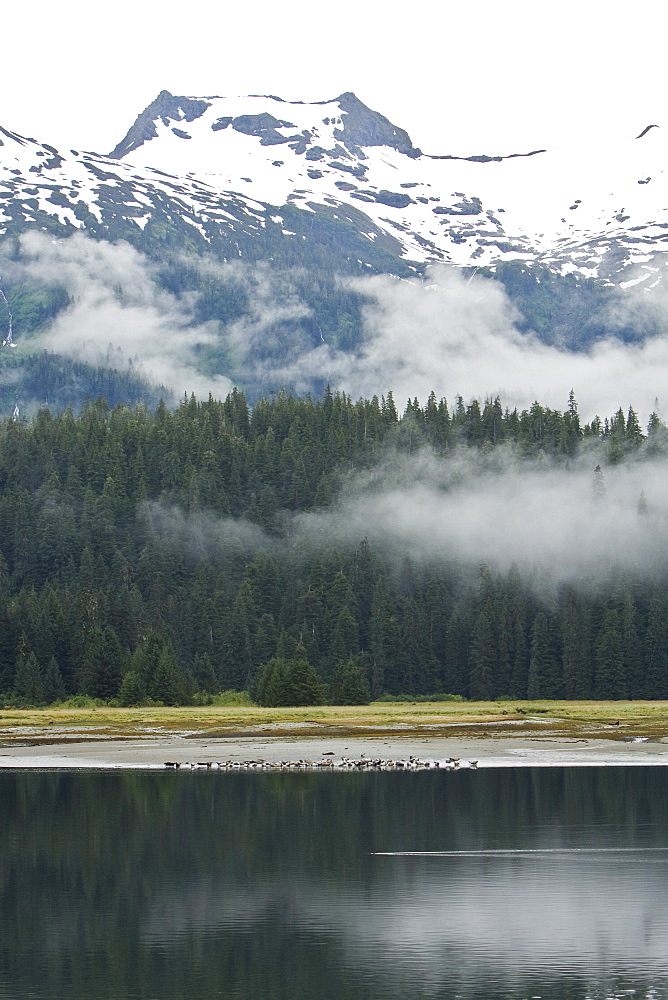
(537,882)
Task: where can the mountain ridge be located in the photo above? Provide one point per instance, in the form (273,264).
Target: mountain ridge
(205,161)
(323,191)
(424,208)
(363,127)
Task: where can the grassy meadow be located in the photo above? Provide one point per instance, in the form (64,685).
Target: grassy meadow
(612,720)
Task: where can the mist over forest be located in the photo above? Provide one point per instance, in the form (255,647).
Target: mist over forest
(450,550)
(182,323)
(294,515)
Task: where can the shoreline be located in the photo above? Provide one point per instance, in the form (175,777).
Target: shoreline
(29,752)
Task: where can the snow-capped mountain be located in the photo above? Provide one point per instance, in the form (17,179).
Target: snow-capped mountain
(230,171)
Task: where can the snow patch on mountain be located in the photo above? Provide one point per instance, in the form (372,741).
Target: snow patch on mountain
(589,210)
(233,165)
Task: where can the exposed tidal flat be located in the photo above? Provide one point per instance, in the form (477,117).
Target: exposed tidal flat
(485,734)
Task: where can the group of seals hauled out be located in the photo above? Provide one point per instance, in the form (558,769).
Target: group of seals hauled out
(362,763)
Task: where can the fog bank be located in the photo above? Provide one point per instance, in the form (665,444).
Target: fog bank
(465,510)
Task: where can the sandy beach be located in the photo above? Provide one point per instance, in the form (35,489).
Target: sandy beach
(33,750)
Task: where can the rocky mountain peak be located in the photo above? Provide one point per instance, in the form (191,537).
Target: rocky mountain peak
(364,127)
(355,125)
(165,107)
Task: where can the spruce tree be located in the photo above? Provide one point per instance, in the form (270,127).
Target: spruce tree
(483,655)
(303,684)
(203,673)
(656,648)
(53,686)
(287,682)
(458,658)
(166,685)
(598,490)
(103,664)
(350,685)
(631,648)
(383,639)
(575,648)
(610,681)
(29,681)
(542,681)
(132,690)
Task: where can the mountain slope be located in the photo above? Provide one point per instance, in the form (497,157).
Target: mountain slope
(44,189)
(597,212)
(253,176)
(308,194)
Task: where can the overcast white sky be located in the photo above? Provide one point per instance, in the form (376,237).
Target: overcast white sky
(470,76)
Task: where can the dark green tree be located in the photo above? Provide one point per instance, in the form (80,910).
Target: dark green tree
(350,685)
(483,655)
(29,680)
(542,681)
(282,682)
(610,681)
(53,685)
(656,648)
(132,690)
(167,684)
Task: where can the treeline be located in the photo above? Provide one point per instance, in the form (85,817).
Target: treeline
(31,381)
(147,556)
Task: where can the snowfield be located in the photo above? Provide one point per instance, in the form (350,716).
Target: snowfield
(230,162)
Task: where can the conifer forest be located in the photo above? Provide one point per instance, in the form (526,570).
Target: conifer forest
(159,556)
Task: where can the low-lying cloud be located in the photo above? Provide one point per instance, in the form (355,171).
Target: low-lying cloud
(459,336)
(449,333)
(118,313)
(469,509)
(270,330)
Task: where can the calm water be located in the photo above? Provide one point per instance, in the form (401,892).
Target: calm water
(547,883)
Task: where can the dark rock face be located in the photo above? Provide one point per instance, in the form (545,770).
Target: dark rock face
(364,127)
(467,206)
(169,109)
(393,199)
(263,126)
(360,127)
(221,123)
